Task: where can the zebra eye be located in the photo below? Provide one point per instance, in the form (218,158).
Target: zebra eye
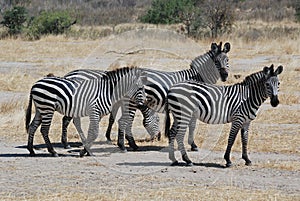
(267,84)
(278,83)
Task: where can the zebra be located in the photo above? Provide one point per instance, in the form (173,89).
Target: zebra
(206,68)
(73,98)
(238,104)
(150,122)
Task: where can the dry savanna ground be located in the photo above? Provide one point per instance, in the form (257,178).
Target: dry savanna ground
(111,175)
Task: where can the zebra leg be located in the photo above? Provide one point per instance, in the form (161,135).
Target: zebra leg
(180,141)
(65,123)
(112,118)
(110,125)
(124,122)
(192,126)
(232,135)
(77,123)
(36,122)
(46,122)
(129,136)
(172,135)
(244,134)
(93,133)
(128,129)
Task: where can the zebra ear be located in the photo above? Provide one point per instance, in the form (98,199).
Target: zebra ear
(278,70)
(214,48)
(226,47)
(266,71)
(144,79)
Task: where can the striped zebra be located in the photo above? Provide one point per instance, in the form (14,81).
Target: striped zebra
(150,122)
(206,68)
(238,104)
(73,98)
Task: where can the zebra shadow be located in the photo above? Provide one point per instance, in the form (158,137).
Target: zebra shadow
(55,145)
(210,165)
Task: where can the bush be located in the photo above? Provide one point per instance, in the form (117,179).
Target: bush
(166,11)
(56,22)
(14,19)
(297,9)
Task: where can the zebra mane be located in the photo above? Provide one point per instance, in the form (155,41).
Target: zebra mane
(119,71)
(253,78)
(202,58)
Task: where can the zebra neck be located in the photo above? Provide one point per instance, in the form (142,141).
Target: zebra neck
(206,68)
(255,85)
(120,88)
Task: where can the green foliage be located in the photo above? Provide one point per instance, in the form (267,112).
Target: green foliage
(167,11)
(55,22)
(297,9)
(14,19)
(217,15)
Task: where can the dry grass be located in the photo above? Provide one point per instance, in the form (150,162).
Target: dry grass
(189,192)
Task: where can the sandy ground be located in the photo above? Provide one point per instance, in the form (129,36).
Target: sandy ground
(145,174)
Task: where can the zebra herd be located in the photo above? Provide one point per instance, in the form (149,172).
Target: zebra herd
(188,95)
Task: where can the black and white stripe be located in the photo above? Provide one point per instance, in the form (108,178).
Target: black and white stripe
(207,68)
(238,104)
(75,98)
(150,122)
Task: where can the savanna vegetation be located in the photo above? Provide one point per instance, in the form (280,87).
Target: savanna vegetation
(30,19)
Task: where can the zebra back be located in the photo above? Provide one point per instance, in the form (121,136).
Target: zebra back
(85,74)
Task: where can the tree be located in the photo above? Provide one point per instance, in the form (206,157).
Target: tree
(167,11)
(218,16)
(14,19)
(297,9)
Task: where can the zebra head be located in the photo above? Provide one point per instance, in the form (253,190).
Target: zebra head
(137,91)
(272,83)
(221,59)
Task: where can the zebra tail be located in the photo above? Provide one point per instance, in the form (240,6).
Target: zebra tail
(167,121)
(28,113)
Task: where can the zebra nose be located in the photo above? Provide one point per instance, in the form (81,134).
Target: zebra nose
(274,101)
(224,75)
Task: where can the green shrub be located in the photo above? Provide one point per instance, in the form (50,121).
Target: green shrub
(55,22)
(297,9)
(166,11)
(14,19)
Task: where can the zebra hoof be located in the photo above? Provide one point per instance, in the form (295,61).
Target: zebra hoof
(89,153)
(109,142)
(122,147)
(82,152)
(175,163)
(229,164)
(189,164)
(194,149)
(134,147)
(67,146)
(54,154)
(31,154)
(248,163)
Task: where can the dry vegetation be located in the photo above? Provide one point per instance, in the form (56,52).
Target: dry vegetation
(276,127)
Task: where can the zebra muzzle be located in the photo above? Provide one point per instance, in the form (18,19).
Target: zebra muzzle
(274,101)
(224,75)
